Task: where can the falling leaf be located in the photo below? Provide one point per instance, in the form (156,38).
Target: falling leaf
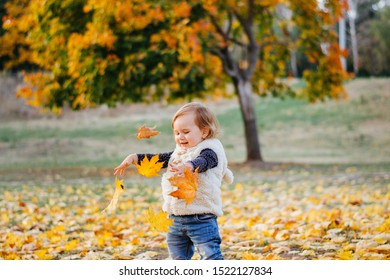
(146,132)
(119,188)
(149,168)
(187,185)
(159,221)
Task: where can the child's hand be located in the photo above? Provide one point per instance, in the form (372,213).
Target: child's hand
(179,169)
(130,159)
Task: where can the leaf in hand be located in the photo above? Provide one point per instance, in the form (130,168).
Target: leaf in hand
(187,185)
(159,221)
(146,132)
(119,188)
(149,168)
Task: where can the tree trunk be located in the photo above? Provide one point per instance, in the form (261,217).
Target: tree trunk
(342,41)
(354,43)
(293,62)
(241,74)
(245,95)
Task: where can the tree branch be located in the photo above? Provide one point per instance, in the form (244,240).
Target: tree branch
(230,22)
(252,47)
(218,28)
(225,35)
(247,26)
(276,42)
(251,12)
(228,63)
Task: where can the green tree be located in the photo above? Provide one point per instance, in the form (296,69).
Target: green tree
(101,51)
(375,32)
(381,30)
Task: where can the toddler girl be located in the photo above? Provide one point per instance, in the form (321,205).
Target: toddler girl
(194,225)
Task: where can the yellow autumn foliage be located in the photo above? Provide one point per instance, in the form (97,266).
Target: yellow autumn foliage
(149,168)
(159,221)
(279,220)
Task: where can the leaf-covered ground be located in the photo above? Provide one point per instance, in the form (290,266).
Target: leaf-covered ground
(289,214)
(56,177)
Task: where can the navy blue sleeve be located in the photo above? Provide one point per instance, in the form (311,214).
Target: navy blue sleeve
(163,157)
(206,160)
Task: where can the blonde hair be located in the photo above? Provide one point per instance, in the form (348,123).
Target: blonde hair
(204,118)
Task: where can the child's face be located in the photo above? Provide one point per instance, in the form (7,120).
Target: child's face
(187,133)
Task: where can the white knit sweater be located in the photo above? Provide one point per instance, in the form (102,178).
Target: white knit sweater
(208,196)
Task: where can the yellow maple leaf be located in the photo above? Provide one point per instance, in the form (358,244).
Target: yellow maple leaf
(149,168)
(187,185)
(159,221)
(42,254)
(146,132)
(345,255)
(119,188)
(71,245)
(249,256)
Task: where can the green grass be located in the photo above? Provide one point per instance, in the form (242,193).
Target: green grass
(329,132)
(291,130)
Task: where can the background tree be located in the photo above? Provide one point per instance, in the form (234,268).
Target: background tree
(14,49)
(352,14)
(101,51)
(373,37)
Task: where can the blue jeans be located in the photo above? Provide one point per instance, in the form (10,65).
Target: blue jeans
(194,231)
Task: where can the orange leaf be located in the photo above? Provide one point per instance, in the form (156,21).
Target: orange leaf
(159,221)
(149,168)
(267,248)
(146,132)
(187,185)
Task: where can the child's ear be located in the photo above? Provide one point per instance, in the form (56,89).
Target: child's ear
(205,133)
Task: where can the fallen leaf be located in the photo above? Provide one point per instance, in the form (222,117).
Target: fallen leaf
(72,245)
(281,213)
(385,249)
(267,248)
(149,255)
(149,168)
(123,256)
(187,185)
(307,253)
(42,255)
(159,221)
(119,188)
(146,132)
(345,255)
(249,256)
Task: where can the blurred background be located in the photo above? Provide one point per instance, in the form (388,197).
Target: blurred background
(301,90)
(71,72)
